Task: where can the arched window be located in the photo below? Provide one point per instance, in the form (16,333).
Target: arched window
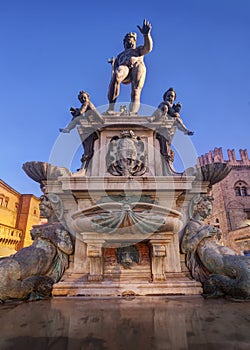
(241,189)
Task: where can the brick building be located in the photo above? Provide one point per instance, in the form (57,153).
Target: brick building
(18,213)
(231,207)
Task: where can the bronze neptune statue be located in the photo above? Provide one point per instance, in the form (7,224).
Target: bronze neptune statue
(129,68)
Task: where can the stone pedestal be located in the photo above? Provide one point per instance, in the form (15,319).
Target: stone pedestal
(146,203)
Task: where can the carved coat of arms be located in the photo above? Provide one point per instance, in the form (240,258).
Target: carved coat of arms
(126,155)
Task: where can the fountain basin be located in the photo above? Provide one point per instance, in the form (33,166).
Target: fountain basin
(118,221)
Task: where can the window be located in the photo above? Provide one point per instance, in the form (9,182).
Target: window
(243,191)
(217,223)
(4,201)
(240,189)
(237,191)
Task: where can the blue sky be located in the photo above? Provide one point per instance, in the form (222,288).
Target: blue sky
(50,50)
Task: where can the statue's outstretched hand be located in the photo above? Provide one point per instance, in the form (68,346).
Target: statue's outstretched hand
(146,27)
(189,132)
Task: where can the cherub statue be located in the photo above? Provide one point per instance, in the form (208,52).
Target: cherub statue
(129,68)
(167,110)
(32,271)
(87,108)
(168,114)
(219,268)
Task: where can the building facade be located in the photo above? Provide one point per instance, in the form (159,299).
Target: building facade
(231,206)
(18,213)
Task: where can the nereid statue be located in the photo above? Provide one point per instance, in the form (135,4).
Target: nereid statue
(32,271)
(129,68)
(219,268)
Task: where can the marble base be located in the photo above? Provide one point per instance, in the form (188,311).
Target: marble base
(175,284)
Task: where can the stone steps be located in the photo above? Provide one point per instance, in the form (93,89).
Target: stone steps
(77,285)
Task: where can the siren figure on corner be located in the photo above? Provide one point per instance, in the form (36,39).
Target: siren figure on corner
(129,68)
(220,270)
(31,272)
